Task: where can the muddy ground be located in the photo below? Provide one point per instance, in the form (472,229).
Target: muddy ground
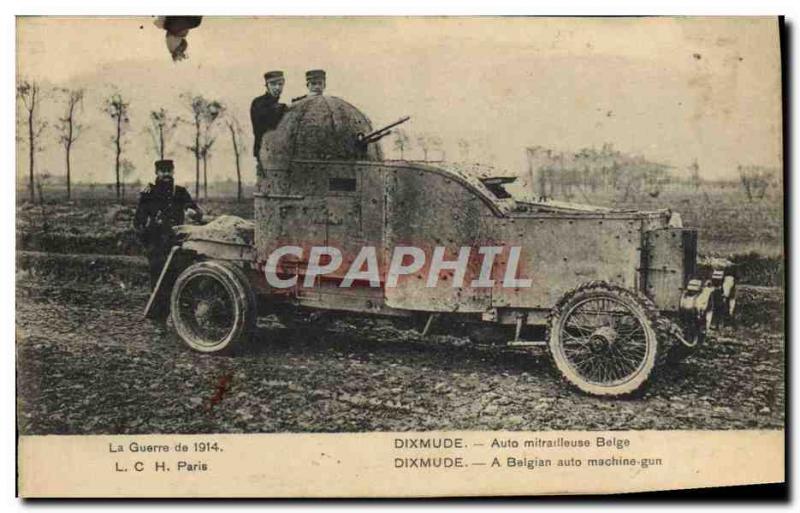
(88,363)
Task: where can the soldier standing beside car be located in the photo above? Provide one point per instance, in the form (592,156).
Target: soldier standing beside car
(162,206)
(266,111)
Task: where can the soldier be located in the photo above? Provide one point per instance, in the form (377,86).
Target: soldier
(161,206)
(265,111)
(315,81)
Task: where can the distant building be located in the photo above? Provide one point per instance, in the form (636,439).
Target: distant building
(558,174)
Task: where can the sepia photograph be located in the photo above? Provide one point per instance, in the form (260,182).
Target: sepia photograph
(405,225)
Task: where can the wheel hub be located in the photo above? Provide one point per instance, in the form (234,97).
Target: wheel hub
(202,310)
(604,336)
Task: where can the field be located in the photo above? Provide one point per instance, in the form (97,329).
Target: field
(88,363)
(728,223)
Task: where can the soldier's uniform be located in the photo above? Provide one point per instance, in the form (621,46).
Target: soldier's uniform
(265,112)
(161,207)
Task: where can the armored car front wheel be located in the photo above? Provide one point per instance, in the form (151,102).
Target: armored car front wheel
(213,307)
(603,339)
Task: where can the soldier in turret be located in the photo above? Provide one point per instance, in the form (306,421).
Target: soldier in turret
(266,111)
(161,207)
(315,81)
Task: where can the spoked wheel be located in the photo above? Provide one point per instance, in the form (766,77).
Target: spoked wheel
(603,339)
(213,307)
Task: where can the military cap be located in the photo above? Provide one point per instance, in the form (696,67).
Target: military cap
(315,73)
(273,75)
(164,165)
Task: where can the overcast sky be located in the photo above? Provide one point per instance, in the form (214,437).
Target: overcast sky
(670,89)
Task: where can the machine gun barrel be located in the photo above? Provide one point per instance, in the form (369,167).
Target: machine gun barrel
(379,134)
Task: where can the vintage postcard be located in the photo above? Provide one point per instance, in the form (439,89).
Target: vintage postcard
(398,256)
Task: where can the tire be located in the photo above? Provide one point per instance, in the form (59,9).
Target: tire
(213,307)
(586,341)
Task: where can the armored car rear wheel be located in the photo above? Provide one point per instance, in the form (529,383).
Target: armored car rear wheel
(603,339)
(213,307)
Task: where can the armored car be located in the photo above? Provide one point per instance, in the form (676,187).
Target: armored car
(612,293)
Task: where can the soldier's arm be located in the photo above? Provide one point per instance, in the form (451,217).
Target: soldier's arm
(256,125)
(281,109)
(142,212)
(254,113)
(197,212)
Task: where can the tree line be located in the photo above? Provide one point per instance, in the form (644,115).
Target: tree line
(431,145)
(208,118)
(590,170)
(607,170)
(560,174)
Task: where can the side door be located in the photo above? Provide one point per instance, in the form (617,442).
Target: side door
(344,228)
(291,210)
(428,210)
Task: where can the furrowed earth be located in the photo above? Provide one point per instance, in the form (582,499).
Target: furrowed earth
(88,363)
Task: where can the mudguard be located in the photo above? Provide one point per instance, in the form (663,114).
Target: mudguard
(224,238)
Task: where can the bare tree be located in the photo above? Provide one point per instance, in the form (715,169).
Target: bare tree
(117,108)
(196,106)
(401,141)
(238,148)
(30,95)
(214,110)
(436,144)
(424,145)
(694,178)
(69,129)
(204,113)
(205,154)
(161,128)
(430,142)
(628,185)
(126,170)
